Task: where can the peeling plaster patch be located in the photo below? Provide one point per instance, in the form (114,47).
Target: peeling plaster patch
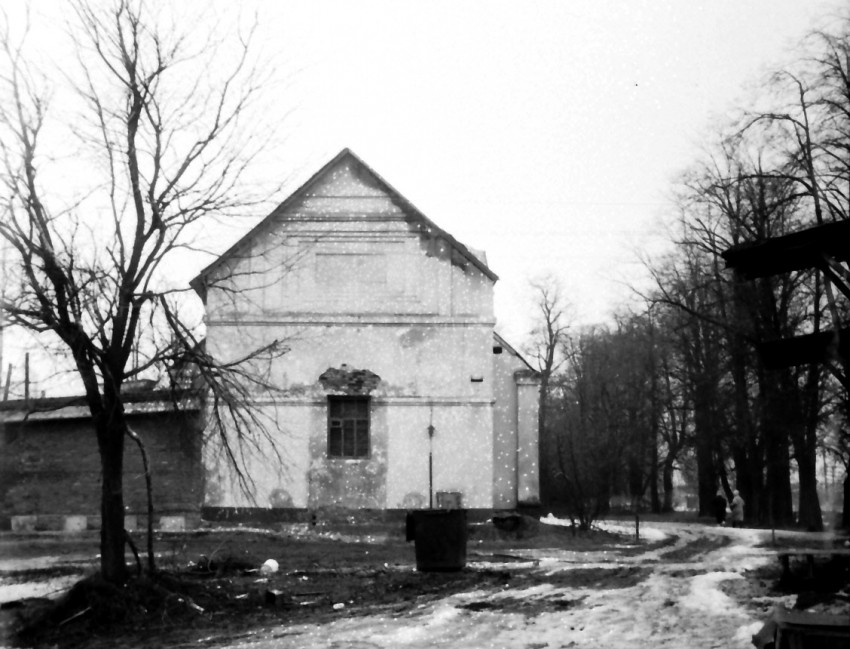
(280,498)
(404,390)
(350,484)
(414,500)
(415,336)
(300,390)
(349,380)
(435,244)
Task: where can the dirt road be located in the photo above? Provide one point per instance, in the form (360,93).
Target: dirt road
(700,590)
(682,585)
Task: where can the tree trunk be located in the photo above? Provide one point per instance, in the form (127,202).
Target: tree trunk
(804,439)
(706,474)
(810,515)
(778,459)
(655,496)
(749,469)
(779,480)
(110,428)
(667,481)
(149,492)
(635,478)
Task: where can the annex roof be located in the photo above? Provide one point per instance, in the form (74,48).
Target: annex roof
(501,342)
(76,407)
(405,205)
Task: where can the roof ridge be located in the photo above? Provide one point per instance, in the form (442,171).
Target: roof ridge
(197,283)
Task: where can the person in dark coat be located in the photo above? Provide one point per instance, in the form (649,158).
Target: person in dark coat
(719,504)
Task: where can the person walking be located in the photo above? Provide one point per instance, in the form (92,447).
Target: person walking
(737,507)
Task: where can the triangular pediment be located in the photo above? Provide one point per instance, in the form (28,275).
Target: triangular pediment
(345,181)
(348,177)
(345,187)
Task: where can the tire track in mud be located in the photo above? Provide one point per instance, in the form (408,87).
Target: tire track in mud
(666,596)
(680,596)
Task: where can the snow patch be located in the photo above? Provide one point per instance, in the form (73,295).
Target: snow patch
(441,618)
(647,532)
(549,519)
(50,588)
(705,596)
(744,635)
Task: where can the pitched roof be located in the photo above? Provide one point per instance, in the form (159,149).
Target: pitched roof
(76,407)
(504,343)
(411,210)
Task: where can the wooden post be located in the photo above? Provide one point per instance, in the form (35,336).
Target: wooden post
(8,383)
(636,506)
(27,378)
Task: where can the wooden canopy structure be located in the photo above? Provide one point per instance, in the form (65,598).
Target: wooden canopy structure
(821,347)
(825,247)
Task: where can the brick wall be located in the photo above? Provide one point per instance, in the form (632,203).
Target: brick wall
(52,468)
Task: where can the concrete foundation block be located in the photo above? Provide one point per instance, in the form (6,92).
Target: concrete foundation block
(131,522)
(75,524)
(26,523)
(172,524)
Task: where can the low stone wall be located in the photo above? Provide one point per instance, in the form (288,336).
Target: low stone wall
(28,523)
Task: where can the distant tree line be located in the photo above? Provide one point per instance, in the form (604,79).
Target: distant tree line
(678,383)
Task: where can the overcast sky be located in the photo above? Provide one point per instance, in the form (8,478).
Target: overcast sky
(546,133)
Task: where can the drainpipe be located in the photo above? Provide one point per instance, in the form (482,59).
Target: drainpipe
(515,425)
(430,466)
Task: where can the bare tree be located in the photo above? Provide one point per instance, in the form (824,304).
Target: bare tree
(807,122)
(584,455)
(591,424)
(546,350)
(155,111)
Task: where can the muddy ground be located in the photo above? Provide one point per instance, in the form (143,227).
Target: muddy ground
(211,590)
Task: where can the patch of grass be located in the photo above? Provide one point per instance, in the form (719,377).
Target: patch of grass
(643,547)
(605,578)
(696,548)
(526,606)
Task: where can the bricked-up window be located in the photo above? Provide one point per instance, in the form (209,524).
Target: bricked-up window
(348,427)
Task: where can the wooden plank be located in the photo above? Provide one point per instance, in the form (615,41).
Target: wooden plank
(815,552)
